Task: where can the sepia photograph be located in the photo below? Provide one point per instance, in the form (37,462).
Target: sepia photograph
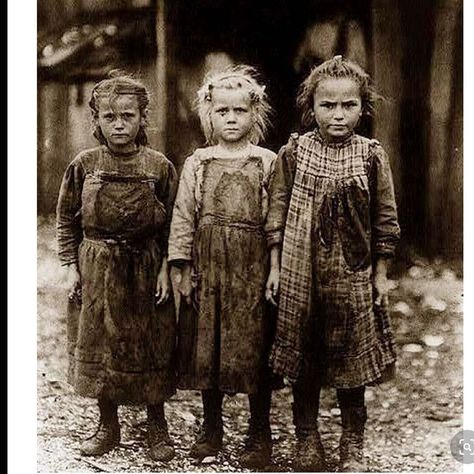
(249,236)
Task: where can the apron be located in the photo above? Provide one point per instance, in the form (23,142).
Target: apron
(121,345)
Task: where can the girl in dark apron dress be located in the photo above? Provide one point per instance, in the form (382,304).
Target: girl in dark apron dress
(113,222)
(218,241)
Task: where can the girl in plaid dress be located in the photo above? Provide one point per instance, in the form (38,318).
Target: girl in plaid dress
(218,242)
(333,214)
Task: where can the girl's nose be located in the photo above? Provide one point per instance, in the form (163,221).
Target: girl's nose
(118,123)
(338,112)
(231,116)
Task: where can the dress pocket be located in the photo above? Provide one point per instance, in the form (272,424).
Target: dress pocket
(354,226)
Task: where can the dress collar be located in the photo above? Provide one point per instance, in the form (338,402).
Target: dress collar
(123,155)
(317,136)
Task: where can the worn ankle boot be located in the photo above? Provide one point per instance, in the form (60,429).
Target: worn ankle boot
(309,453)
(257,452)
(209,440)
(107,435)
(309,456)
(159,442)
(351,447)
(258,446)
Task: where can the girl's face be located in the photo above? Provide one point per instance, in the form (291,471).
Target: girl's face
(231,116)
(120,119)
(337,107)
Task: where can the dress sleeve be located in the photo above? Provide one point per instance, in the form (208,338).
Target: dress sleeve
(166,193)
(384,219)
(183,222)
(68,213)
(280,193)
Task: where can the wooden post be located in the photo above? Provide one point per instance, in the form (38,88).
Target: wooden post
(441,155)
(387,78)
(53,153)
(161,75)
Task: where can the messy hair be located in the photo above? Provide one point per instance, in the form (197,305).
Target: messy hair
(117,84)
(235,77)
(335,68)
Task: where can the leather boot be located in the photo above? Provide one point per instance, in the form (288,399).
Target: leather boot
(209,440)
(159,442)
(309,452)
(351,447)
(107,435)
(258,445)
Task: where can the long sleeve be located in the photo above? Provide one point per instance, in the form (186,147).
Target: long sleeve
(183,223)
(280,193)
(68,213)
(384,219)
(166,193)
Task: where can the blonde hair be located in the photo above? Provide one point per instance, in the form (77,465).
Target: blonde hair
(116,84)
(235,77)
(335,68)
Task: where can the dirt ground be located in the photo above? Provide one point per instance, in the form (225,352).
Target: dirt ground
(411,419)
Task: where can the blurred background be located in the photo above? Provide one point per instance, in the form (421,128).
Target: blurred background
(413,50)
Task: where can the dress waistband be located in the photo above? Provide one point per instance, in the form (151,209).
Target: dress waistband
(227,222)
(121,243)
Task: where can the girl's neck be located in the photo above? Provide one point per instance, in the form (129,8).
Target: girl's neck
(124,151)
(229,149)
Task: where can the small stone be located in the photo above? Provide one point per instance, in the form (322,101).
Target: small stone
(335,411)
(209,460)
(433,303)
(432,354)
(369,395)
(448,275)
(454,423)
(415,272)
(325,414)
(433,340)
(412,348)
(402,308)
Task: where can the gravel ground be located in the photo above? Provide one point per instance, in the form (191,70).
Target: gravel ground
(411,419)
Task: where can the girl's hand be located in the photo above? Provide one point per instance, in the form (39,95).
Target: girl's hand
(381,285)
(382,288)
(185,286)
(74,283)
(163,284)
(272,286)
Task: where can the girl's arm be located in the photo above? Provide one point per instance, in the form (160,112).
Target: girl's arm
(68,213)
(273,281)
(167,196)
(183,223)
(384,220)
(167,188)
(385,228)
(183,226)
(280,188)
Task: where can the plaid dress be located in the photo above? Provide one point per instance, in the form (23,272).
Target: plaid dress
(335,202)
